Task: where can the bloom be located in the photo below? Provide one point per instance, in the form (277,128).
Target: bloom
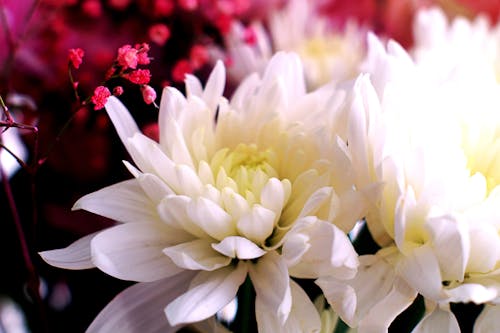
(75,56)
(100,97)
(433,141)
(252,187)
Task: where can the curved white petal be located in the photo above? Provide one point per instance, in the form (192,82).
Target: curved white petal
(421,270)
(154,187)
(139,308)
(123,202)
(342,298)
(472,292)
(272,285)
(74,256)
(382,314)
(215,86)
(125,125)
(439,320)
(172,103)
(489,320)
(210,217)
(239,247)
(173,212)
(450,240)
(133,251)
(197,255)
(257,224)
(208,293)
(330,252)
(303,315)
(193,86)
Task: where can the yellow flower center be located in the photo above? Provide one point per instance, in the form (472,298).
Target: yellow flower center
(246,169)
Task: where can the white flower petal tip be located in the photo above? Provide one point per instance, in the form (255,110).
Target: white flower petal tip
(239,247)
(75,256)
(125,125)
(208,293)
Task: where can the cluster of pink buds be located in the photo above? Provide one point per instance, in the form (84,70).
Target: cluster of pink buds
(125,66)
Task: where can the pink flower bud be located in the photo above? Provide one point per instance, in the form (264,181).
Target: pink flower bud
(75,57)
(159,33)
(148,94)
(100,97)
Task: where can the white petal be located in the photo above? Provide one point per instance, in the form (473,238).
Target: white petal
(133,251)
(484,239)
(239,247)
(257,224)
(451,245)
(303,315)
(439,320)
(341,296)
(154,187)
(173,211)
(234,203)
(472,292)
(272,285)
(139,308)
(189,182)
(125,125)
(172,103)
(384,312)
(421,270)
(193,86)
(197,255)
(74,256)
(211,218)
(123,202)
(315,201)
(215,86)
(208,293)
(330,253)
(489,320)
(274,195)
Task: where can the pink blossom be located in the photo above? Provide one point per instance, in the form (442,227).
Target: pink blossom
(92,8)
(148,94)
(181,68)
(142,53)
(100,97)
(127,57)
(140,76)
(75,57)
(159,33)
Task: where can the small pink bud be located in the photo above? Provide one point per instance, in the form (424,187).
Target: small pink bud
(148,94)
(250,36)
(75,57)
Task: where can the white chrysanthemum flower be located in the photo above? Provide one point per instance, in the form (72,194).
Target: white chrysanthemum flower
(255,186)
(435,145)
(328,55)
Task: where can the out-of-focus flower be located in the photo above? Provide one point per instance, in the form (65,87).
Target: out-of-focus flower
(433,140)
(254,186)
(198,56)
(329,55)
(100,97)
(181,69)
(117,91)
(159,33)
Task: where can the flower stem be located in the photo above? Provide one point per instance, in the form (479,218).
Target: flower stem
(245,321)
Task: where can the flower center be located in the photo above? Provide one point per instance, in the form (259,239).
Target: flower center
(482,148)
(246,168)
